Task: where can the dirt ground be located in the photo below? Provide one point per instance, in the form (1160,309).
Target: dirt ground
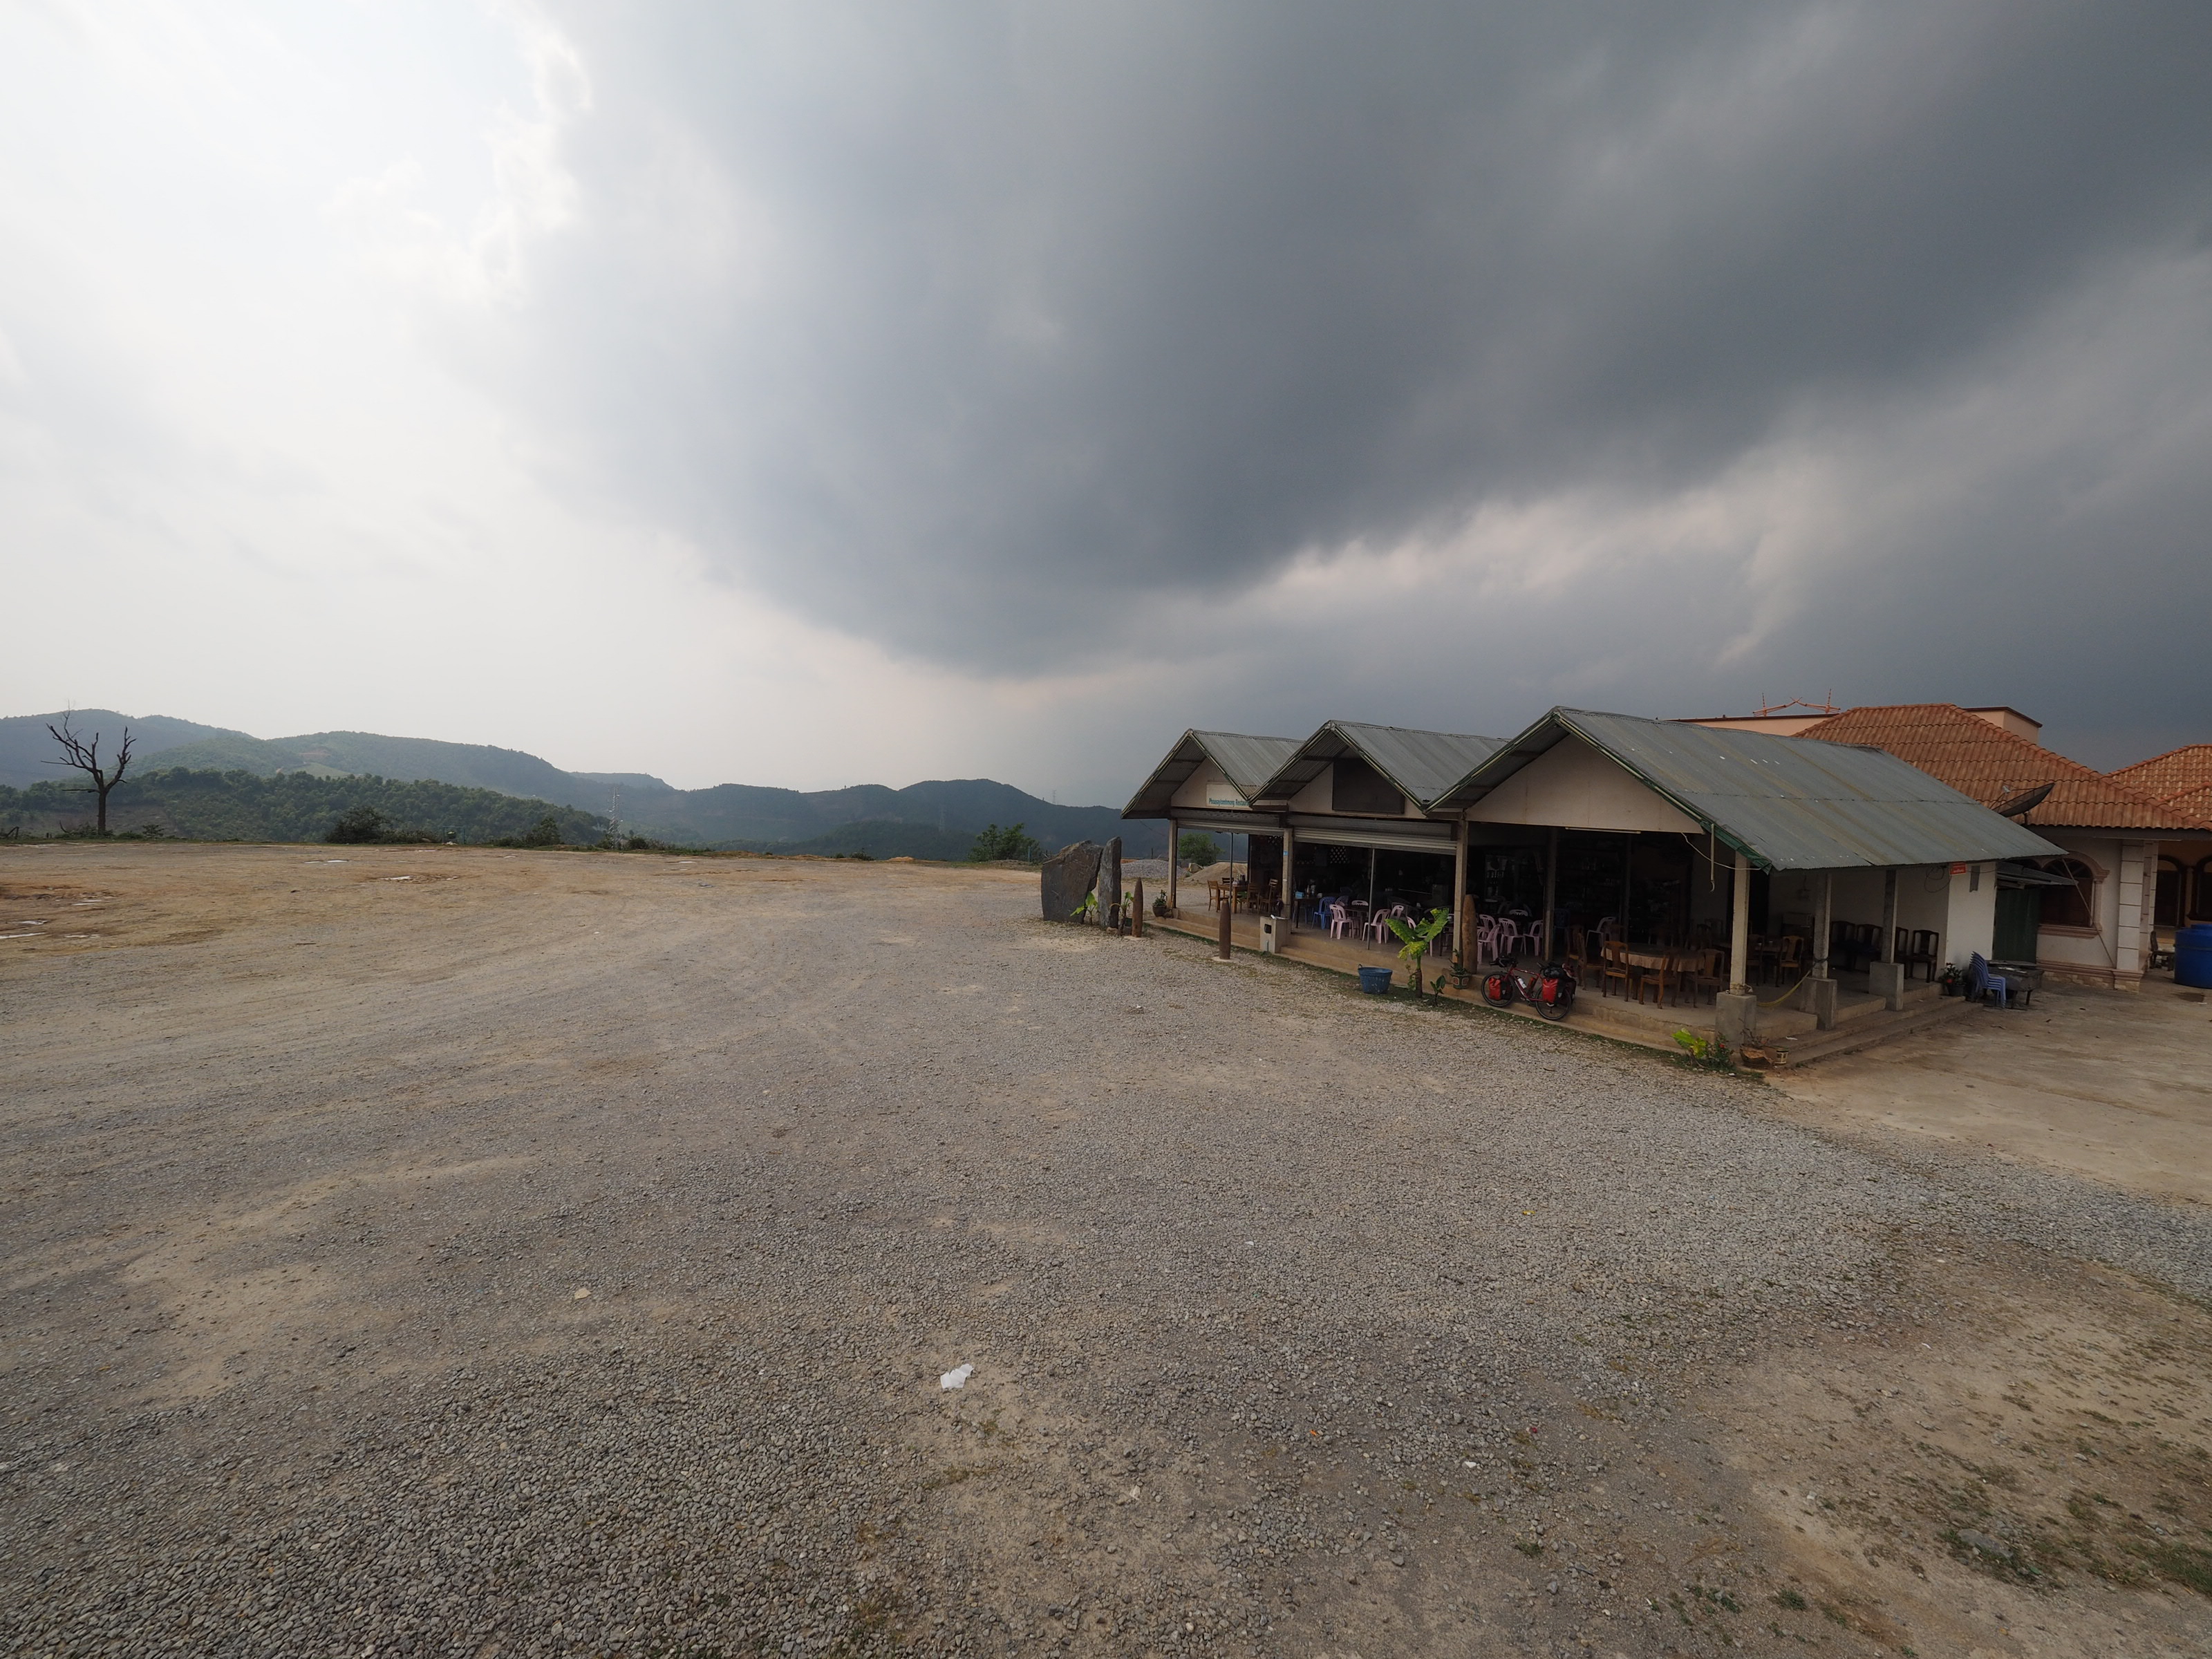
(2114,1086)
(446,1251)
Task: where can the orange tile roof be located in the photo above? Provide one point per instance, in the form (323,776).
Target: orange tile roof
(1991,765)
(2180,779)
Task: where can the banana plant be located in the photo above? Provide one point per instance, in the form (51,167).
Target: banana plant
(1415,937)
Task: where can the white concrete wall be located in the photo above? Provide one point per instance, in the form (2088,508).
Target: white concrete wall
(2085,952)
(1207,790)
(1572,786)
(1970,924)
(2113,951)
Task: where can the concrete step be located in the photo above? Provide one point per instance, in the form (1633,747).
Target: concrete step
(1866,1034)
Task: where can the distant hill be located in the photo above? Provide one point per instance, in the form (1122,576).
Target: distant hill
(25,746)
(935,819)
(295,807)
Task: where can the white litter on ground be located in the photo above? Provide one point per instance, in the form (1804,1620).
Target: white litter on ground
(957,1377)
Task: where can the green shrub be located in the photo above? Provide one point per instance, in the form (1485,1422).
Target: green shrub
(1012,843)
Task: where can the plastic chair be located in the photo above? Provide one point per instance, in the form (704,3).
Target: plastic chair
(1982,984)
(1340,918)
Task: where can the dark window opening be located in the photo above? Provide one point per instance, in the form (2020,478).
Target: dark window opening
(1356,787)
(2069,907)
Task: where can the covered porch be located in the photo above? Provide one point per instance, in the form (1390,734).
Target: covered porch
(1791,1033)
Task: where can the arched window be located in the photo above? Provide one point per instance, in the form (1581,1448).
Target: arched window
(2069,906)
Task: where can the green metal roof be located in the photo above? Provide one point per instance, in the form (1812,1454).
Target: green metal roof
(1247,761)
(1422,764)
(1785,803)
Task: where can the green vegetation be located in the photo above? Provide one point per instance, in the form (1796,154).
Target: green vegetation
(295,807)
(1196,847)
(364,825)
(1011,843)
(1414,940)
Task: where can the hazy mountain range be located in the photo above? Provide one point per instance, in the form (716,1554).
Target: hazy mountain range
(934,819)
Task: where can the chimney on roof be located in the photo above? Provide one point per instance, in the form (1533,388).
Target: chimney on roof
(2012,720)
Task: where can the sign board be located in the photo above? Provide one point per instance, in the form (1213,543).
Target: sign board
(1223,794)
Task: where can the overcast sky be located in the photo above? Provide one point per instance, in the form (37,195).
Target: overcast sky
(814,394)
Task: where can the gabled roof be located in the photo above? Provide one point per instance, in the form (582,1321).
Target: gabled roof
(1990,765)
(2179,781)
(1246,761)
(1421,764)
(1785,803)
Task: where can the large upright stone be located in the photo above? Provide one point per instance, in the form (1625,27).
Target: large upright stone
(1069,875)
(1110,882)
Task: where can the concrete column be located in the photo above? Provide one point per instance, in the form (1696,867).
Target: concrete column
(1740,927)
(1735,1010)
(1818,995)
(1290,921)
(1551,895)
(1172,861)
(2137,897)
(1886,978)
(1461,943)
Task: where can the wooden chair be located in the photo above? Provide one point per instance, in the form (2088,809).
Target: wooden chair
(1615,967)
(1658,981)
(1790,958)
(1706,973)
(1920,953)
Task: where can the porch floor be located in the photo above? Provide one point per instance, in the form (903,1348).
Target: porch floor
(1621,1018)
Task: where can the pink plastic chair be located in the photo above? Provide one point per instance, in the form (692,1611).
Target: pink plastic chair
(1339,919)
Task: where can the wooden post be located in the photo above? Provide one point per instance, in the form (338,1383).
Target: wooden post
(1288,923)
(1227,951)
(1739,929)
(1172,838)
(1889,916)
(1137,911)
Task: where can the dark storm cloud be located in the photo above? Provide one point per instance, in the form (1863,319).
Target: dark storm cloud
(964,326)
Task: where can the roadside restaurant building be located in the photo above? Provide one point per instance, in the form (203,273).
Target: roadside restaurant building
(1787,858)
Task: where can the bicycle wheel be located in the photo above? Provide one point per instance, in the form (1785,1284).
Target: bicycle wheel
(1497,990)
(1556,1008)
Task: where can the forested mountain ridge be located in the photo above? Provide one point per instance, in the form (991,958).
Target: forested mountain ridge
(295,806)
(937,818)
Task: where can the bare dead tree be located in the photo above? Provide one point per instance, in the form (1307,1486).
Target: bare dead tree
(84,758)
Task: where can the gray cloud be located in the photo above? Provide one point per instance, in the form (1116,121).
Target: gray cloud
(965,327)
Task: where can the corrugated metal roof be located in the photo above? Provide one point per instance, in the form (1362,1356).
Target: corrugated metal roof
(1422,764)
(1786,803)
(1987,763)
(1247,761)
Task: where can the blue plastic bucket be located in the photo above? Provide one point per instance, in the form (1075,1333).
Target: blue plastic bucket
(2192,955)
(1375,981)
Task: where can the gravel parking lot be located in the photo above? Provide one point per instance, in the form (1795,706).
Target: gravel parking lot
(440,1251)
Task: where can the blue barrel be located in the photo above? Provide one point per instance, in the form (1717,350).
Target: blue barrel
(2192,955)
(1375,981)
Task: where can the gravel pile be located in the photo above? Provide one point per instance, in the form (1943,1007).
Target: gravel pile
(594,1298)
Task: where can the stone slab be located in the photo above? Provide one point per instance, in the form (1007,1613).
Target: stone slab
(1069,875)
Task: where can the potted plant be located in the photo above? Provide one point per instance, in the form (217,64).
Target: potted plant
(1415,937)
(1951,979)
